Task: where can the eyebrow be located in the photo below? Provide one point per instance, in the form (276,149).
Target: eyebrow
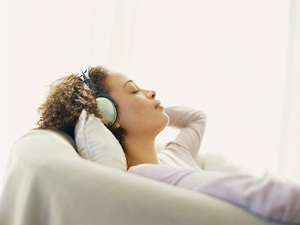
(127,82)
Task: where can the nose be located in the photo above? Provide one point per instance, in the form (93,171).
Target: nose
(151,94)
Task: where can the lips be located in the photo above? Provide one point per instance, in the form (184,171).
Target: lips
(157,104)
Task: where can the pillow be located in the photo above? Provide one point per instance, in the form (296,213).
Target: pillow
(96,143)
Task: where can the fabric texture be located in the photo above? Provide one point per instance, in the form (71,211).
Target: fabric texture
(96,143)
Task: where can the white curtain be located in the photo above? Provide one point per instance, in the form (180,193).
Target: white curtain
(228,58)
(290,149)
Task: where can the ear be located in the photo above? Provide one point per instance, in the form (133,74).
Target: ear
(117,125)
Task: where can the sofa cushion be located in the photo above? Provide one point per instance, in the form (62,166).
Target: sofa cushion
(96,143)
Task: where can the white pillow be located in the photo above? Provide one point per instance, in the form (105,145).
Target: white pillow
(96,143)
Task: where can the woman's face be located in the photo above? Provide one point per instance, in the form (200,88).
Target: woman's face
(139,113)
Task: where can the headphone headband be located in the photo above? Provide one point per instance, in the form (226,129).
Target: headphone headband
(86,79)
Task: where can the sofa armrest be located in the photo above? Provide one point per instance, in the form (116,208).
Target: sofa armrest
(47,182)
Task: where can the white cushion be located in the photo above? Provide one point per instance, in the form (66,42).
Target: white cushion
(96,143)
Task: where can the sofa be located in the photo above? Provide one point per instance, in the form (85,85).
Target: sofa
(47,182)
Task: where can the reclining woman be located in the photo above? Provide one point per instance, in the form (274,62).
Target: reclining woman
(138,118)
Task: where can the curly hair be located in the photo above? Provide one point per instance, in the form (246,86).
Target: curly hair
(67,98)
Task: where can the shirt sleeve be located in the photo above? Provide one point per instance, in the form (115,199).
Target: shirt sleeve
(192,124)
(269,197)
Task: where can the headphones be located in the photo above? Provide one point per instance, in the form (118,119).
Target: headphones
(106,104)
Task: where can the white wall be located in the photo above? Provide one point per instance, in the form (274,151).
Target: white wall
(228,58)
(225,57)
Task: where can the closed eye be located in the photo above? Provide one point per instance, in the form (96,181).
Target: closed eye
(137,91)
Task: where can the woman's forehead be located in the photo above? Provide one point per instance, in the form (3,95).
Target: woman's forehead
(117,79)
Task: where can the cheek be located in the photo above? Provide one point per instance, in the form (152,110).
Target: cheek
(132,114)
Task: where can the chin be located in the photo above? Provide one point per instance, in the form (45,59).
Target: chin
(167,119)
(165,122)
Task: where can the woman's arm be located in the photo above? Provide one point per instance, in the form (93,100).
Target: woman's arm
(191,123)
(268,197)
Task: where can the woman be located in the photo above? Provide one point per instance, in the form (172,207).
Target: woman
(140,119)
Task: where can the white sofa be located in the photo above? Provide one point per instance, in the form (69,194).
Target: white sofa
(47,182)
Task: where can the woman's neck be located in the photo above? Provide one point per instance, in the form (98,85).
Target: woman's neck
(139,151)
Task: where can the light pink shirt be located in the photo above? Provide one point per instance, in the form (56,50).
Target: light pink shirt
(267,197)
(183,150)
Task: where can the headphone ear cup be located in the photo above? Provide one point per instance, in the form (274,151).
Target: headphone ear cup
(107,109)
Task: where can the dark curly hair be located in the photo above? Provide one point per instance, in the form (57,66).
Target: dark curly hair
(67,98)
